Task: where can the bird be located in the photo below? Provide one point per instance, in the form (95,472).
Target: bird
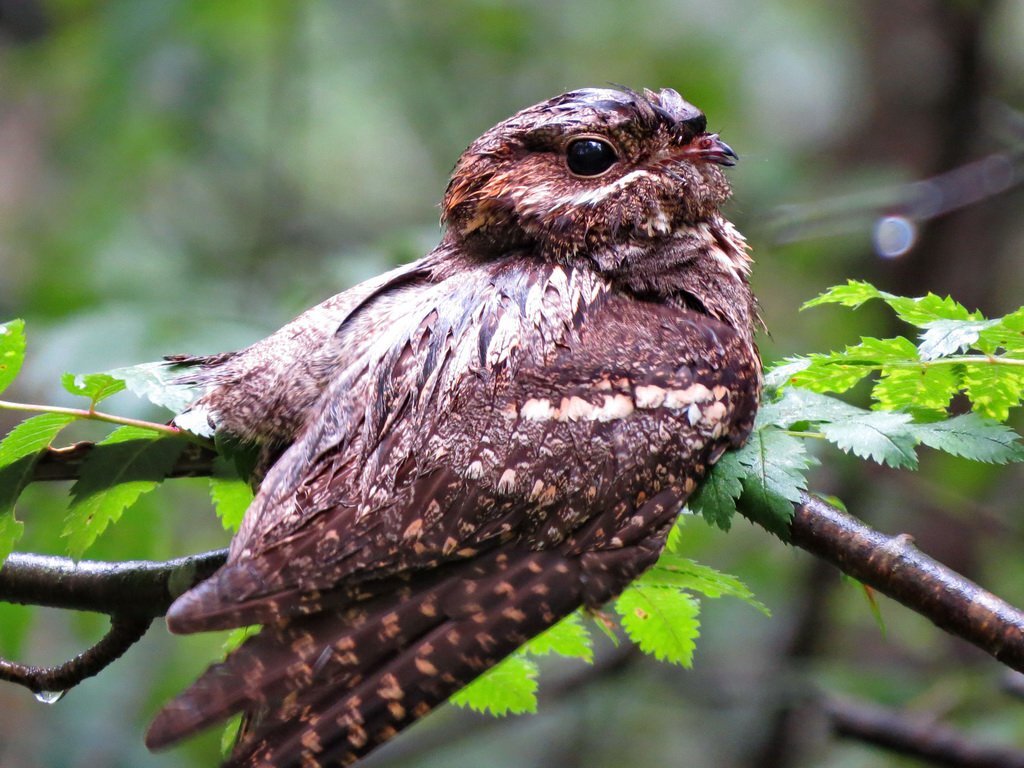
(457,454)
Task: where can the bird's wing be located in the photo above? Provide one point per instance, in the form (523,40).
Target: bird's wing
(413,538)
(470,428)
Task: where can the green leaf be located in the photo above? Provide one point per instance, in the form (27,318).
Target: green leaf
(18,456)
(510,687)
(230,494)
(569,638)
(128,463)
(927,309)
(973,437)
(852,295)
(12,351)
(929,387)
(679,572)
(798,405)
(882,436)
(157,382)
(779,374)
(825,374)
(229,735)
(776,463)
(96,386)
(994,389)
(942,338)
(661,621)
(31,436)
(11,531)
(715,498)
(1008,334)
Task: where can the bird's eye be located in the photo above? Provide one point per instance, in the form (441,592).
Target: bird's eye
(590,157)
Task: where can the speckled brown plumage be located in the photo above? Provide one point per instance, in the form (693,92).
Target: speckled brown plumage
(466,449)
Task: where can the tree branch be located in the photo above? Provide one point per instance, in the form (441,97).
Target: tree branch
(131,593)
(896,568)
(124,632)
(918,737)
(66,463)
(141,589)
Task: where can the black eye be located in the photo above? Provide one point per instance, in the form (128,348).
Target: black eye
(590,157)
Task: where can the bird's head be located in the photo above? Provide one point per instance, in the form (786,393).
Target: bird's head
(589,169)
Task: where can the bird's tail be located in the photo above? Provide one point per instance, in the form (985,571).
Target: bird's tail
(328,688)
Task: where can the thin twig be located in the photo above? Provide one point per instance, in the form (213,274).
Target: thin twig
(124,632)
(918,737)
(93,415)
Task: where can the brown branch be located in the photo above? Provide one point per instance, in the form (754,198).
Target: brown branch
(124,632)
(918,737)
(141,589)
(895,567)
(66,463)
(132,593)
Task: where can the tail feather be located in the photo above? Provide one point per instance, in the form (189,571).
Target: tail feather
(339,720)
(326,689)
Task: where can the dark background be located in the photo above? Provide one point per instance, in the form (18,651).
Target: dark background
(186,176)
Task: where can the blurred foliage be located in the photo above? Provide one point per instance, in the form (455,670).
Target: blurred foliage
(185,176)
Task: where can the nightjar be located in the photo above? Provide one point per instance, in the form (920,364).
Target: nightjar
(463,451)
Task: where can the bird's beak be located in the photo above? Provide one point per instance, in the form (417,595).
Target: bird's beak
(709,148)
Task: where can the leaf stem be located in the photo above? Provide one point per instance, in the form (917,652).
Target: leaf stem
(90,414)
(805,433)
(951,360)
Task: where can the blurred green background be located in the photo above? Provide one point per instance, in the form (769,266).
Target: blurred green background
(186,176)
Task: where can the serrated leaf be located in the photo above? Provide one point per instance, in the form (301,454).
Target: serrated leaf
(1007,333)
(775,463)
(569,638)
(18,456)
(510,687)
(852,295)
(928,387)
(715,498)
(230,494)
(942,338)
(876,352)
(157,382)
(927,309)
(96,386)
(994,389)
(31,436)
(803,405)
(779,375)
(827,375)
(128,463)
(675,533)
(661,621)
(882,436)
(12,351)
(679,572)
(973,437)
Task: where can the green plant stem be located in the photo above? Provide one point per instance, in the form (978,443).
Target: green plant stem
(952,360)
(805,433)
(93,415)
